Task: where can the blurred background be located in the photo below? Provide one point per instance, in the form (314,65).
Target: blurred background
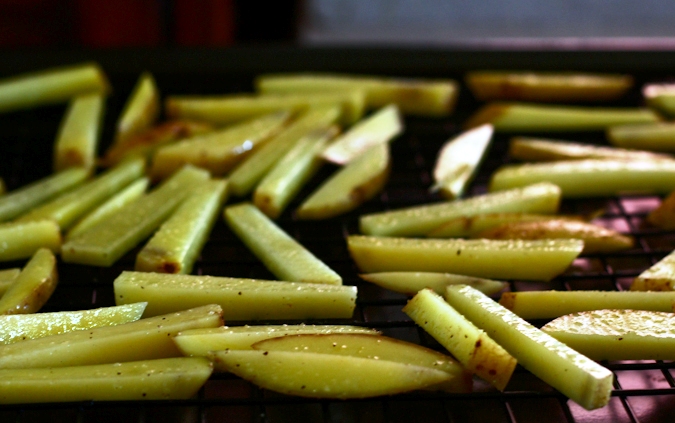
(222,23)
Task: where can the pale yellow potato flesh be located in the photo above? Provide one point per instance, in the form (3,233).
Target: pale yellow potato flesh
(422,97)
(20,327)
(164,379)
(283,182)
(547,86)
(198,342)
(412,282)
(660,97)
(539,260)
(143,339)
(609,177)
(551,304)
(325,375)
(66,209)
(77,140)
(659,277)
(146,142)
(115,203)
(530,117)
(663,216)
(357,182)
(19,240)
(51,86)
(579,378)
(110,239)
(241,299)
(141,109)
(420,220)
(376,347)
(286,258)
(7,278)
(471,346)
(617,334)
(227,109)
(652,137)
(462,227)
(379,128)
(175,246)
(21,200)
(218,151)
(34,285)
(544,150)
(597,239)
(246,176)
(458,161)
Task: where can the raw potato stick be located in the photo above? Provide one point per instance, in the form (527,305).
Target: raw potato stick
(77,140)
(412,282)
(652,137)
(659,277)
(7,278)
(287,259)
(141,109)
(19,240)
(33,287)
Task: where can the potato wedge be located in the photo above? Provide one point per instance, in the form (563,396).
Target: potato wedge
(610,177)
(551,304)
(664,215)
(547,86)
(21,200)
(218,151)
(34,285)
(458,161)
(115,203)
(351,186)
(659,277)
(146,142)
(287,259)
(376,347)
(226,109)
(412,282)
(143,339)
(165,379)
(472,347)
(105,243)
(20,327)
(141,109)
(7,278)
(544,150)
(660,97)
(51,86)
(582,380)
(530,117)
(241,299)
(324,375)
(617,334)
(179,241)
(597,239)
(461,227)
(420,220)
(19,240)
(66,209)
(652,137)
(422,97)
(540,260)
(283,182)
(200,341)
(246,176)
(379,128)
(77,141)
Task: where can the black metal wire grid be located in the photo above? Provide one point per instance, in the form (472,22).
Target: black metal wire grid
(644,391)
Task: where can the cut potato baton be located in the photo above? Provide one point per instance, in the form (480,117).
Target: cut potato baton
(165,379)
(471,346)
(7,278)
(420,220)
(77,141)
(200,341)
(660,96)
(20,327)
(324,375)
(143,339)
(659,277)
(550,304)
(412,282)
(663,216)
(241,299)
(511,259)
(582,380)
(470,226)
(287,259)
(652,137)
(141,109)
(19,240)
(34,285)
